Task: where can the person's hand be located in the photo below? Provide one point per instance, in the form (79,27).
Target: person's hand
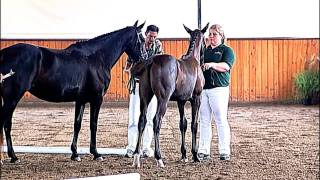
(206,66)
(127,70)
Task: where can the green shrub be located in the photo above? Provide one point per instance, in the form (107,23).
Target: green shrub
(307,84)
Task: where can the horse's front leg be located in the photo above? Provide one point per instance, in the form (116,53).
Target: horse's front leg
(195,104)
(94,113)
(183,129)
(79,108)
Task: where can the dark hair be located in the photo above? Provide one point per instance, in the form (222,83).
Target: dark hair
(152,28)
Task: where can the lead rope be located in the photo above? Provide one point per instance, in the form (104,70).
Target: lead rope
(131,85)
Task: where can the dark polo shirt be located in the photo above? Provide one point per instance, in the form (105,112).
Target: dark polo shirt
(213,78)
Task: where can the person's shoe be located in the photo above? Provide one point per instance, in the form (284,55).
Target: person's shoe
(203,157)
(224,157)
(147,153)
(129,153)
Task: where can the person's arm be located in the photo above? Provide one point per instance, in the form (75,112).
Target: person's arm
(225,64)
(159,49)
(220,67)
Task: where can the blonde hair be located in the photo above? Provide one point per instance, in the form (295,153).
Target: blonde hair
(219,29)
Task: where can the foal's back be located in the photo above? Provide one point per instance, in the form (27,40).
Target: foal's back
(174,78)
(163,74)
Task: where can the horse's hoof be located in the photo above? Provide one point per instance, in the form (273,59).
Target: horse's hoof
(136,161)
(185,160)
(196,159)
(76,158)
(160,163)
(15,160)
(100,158)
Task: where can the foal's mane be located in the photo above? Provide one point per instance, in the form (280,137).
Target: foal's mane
(192,45)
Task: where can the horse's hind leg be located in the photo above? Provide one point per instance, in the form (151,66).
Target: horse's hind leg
(195,105)
(162,108)
(76,129)
(6,123)
(183,129)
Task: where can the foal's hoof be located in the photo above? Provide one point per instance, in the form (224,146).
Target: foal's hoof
(160,163)
(100,158)
(75,158)
(136,161)
(185,160)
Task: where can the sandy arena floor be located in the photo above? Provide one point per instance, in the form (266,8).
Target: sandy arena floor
(268,142)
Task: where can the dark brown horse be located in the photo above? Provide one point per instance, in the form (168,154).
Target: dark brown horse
(79,73)
(170,79)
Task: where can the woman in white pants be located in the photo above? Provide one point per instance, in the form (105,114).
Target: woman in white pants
(218,61)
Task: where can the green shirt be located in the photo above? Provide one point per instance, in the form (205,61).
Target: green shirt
(213,78)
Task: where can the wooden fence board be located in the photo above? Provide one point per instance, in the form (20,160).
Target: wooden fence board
(264,69)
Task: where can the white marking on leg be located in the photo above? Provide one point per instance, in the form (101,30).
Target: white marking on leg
(160,163)
(136,160)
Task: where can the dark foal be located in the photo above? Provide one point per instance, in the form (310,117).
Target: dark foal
(79,73)
(170,79)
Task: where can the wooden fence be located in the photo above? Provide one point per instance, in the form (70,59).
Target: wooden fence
(264,68)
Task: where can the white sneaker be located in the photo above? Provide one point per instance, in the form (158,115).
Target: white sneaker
(129,153)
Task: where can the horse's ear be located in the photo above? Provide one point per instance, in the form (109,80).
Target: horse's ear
(187,29)
(141,26)
(135,24)
(204,29)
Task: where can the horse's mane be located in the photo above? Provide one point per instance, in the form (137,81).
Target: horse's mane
(95,39)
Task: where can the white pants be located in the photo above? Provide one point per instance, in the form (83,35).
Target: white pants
(134,113)
(214,104)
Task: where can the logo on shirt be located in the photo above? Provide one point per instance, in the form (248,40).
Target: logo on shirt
(218,53)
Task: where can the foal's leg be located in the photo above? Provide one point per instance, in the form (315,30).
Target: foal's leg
(195,104)
(183,129)
(145,98)
(141,125)
(94,113)
(157,120)
(76,129)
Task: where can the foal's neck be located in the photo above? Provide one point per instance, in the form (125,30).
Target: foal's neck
(193,52)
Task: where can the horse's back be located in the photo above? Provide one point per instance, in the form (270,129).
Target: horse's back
(13,57)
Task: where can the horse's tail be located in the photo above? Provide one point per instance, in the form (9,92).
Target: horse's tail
(1,145)
(1,116)
(2,123)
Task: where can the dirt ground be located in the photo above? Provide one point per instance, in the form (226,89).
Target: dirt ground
(268,142)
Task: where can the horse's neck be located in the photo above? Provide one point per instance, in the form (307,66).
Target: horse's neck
(112,48)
